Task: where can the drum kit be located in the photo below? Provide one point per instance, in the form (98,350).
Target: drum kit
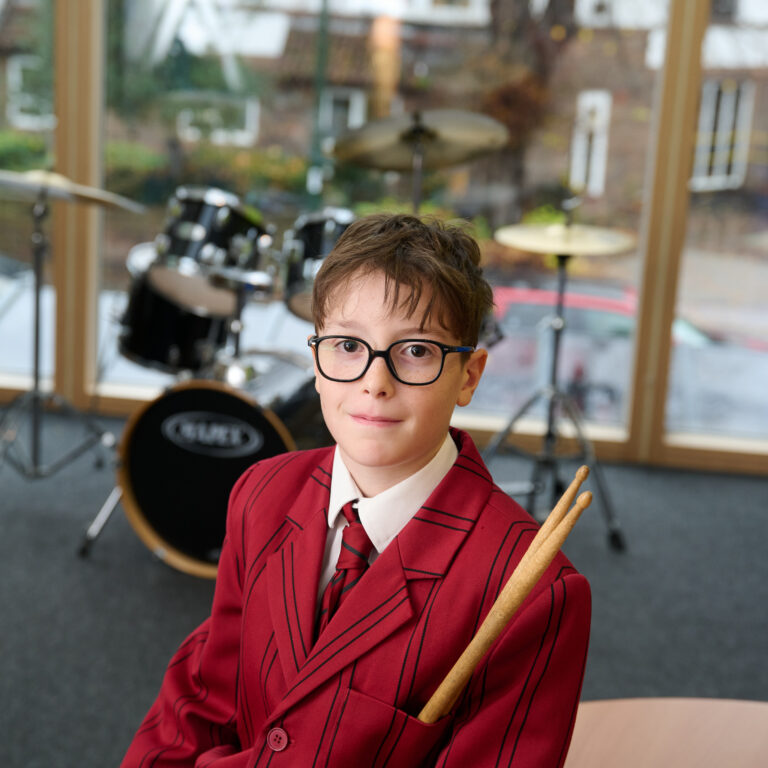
(181,453)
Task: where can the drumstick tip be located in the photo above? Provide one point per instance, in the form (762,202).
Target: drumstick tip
(584,500)
(582,473)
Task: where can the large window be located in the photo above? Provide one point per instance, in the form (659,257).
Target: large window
(228,142)
(718,383)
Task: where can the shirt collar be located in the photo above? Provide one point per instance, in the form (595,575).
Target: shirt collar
(383,516)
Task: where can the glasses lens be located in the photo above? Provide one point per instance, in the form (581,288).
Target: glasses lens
(416,362)
(342,358)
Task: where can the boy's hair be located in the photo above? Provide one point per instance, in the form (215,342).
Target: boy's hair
(412,253)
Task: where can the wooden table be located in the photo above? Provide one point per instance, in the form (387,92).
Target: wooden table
(683,733)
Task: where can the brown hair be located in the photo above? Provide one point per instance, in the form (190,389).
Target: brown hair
(411,253)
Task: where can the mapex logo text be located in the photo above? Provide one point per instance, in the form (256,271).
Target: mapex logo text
(212,434)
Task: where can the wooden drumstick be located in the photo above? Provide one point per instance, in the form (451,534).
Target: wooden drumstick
(519,585)
(558,512)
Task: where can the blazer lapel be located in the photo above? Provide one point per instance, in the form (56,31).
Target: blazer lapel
(377,606)
(293,572)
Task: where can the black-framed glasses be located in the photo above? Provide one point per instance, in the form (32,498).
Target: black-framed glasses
(411,361)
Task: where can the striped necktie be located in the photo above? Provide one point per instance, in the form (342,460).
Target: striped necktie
(352,563)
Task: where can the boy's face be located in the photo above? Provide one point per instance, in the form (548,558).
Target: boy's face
(384,429)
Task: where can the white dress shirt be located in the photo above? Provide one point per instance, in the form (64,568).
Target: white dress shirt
(383,516)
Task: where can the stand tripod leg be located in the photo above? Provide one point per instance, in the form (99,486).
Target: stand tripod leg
(535,485)
(498,439)
(615,536)
(95,528)
(9,429)
(31,467)
(98,435)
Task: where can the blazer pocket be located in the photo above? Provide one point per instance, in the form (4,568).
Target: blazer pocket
(373,733)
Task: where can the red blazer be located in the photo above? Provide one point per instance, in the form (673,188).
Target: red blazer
(251,688)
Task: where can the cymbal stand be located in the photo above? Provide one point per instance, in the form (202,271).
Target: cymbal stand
(548,459)
(415,136)
(35,399)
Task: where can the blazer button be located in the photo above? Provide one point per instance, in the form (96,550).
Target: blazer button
(277,739)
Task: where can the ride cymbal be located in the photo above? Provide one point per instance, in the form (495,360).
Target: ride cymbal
(444,137)
(570,240)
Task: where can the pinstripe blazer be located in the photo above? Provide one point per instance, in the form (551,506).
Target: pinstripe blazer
(250,687)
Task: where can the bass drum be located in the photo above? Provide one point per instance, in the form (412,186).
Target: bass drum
(181,454)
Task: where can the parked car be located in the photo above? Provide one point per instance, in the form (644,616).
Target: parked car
(596,357)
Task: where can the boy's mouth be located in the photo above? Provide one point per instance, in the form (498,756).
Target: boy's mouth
(372,420)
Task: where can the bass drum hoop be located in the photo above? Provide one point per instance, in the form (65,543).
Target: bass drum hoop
(156,544)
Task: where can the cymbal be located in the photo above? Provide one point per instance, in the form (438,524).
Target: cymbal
(445,136)
(568,240)
(30,184)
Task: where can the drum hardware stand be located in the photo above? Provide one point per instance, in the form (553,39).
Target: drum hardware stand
(548,459)
(415,137)
(35,399)
(236,324)
(101,519)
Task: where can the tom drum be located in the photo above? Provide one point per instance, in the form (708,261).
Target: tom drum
(306,246)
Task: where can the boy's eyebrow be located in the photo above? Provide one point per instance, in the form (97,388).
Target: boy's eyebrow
(403,333)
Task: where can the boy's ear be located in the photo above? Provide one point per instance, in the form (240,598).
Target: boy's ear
(473,371)
(314,361)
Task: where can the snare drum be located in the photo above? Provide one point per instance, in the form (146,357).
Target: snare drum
(175,321)
(181,454)
(311,240)
(211,227)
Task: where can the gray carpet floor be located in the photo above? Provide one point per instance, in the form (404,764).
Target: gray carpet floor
(84,642)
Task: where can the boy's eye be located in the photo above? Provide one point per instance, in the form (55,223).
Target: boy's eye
(417,350)
(349,346)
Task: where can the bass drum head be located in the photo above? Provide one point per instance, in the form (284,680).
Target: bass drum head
(179,458)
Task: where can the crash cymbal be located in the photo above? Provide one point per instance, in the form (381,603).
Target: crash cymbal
(570,240)
(30,184)
(443,136)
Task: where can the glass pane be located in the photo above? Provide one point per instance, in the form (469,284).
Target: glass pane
(26,143)
(264,113)
(719,363)
(580,108)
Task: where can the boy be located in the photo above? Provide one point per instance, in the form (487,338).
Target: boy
(305,664)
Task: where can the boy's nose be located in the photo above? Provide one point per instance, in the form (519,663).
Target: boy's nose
(378,379)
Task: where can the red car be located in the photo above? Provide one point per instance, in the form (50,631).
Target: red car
(596,358)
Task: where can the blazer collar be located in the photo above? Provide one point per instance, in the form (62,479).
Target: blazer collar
(447,516)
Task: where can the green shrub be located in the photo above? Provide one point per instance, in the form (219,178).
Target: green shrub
(22,151)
